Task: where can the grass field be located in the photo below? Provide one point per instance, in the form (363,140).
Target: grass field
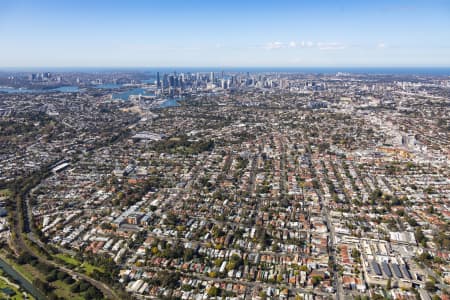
(63,291)
(88,268)
(33,271)
(70,260)
(84,267)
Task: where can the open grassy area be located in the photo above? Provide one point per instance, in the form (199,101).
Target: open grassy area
(63,291)
(31,272)
(84,267)
(88,268)
(67,259)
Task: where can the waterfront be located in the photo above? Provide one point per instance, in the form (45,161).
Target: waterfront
(170,103)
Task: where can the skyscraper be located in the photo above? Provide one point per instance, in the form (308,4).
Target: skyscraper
(158,81)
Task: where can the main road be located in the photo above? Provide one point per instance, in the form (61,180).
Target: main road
(332,248)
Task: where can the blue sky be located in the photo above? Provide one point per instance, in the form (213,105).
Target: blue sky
(224,33)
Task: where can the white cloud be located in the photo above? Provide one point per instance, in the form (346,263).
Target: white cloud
(309,44)
(304,44)
(291,44)
(330,46)
(274,45)
(381,45)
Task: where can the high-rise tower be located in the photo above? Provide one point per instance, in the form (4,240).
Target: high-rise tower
(158,80)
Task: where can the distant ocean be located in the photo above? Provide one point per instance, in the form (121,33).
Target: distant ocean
(434,71)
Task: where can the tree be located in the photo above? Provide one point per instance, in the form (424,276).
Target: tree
(186,287)
(93,293)
(442,239)
(84,285)
(430,286)
(52,296)
(75,288)
(230,266)
(420,237)
(42,285)
(69,280)
(213,291)
(316,280)
(356,255)
(279,278)
(212,274)
(52,276)
(425,257)
(377,297)
(61,275)
(275,247)
(25,258)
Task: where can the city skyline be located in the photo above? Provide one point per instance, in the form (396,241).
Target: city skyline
(226,34)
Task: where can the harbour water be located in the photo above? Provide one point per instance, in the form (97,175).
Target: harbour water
(74,89)
(62,89)
(108,86)
(135,91)
(170,102)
